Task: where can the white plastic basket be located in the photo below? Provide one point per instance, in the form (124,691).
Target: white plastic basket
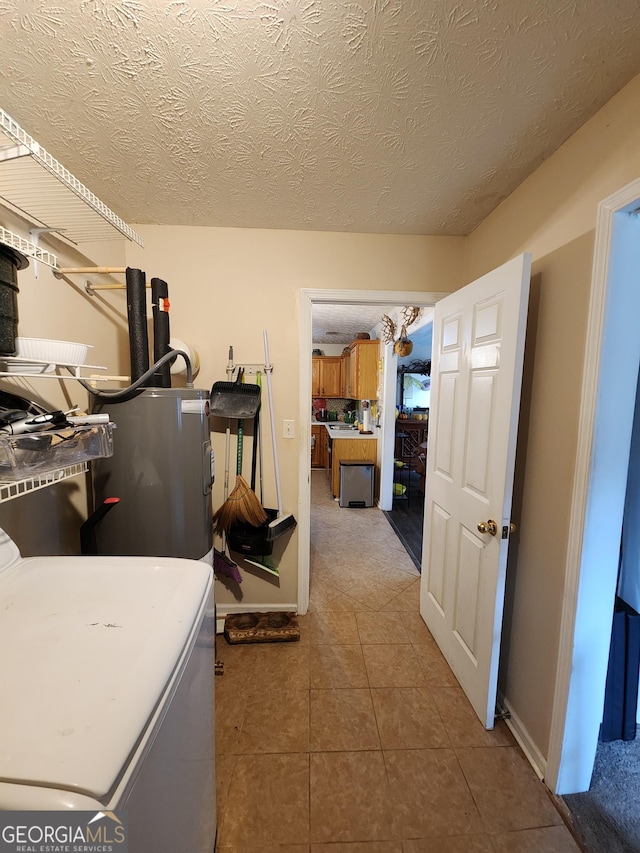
(54,352)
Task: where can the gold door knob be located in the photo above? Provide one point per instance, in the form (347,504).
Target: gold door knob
(489,527)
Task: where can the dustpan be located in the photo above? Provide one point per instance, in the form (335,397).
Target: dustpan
(234,399)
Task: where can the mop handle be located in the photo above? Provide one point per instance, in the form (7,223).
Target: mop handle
(227,451)
(239,451)
(259,382)
(227,448)
(254,455)
(227,454)
(268,370)
(239,379)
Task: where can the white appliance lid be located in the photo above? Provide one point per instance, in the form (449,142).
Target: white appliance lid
(88,646)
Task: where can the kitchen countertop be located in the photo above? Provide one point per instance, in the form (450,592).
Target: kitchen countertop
(337,430)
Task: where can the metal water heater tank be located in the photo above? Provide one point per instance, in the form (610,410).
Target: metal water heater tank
(162,471)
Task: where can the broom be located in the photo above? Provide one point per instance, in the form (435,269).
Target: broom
(243,504)
(222,562)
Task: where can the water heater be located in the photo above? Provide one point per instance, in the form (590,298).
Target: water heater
(162,471)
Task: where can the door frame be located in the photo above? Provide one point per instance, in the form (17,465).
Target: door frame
(602,459)
(308,298)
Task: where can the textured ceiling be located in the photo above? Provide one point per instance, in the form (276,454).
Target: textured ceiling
(345,320)
(339,323)
(399,116)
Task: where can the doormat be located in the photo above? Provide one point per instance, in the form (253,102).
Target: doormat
(278,627)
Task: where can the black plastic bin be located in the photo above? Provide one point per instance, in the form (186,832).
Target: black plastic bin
(250,540)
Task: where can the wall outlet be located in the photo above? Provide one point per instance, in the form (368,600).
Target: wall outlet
(288,429)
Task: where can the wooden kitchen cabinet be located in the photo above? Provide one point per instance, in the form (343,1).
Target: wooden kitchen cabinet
(344,376)
(362,449)
(325,376)
(318,456)
(363,370)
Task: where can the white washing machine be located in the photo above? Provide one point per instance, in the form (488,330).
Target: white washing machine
(107,704)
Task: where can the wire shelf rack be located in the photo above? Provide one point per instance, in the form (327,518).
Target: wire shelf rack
(9,491)
(39,188)
(25,247)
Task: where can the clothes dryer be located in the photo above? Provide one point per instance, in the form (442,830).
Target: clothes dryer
(107,704)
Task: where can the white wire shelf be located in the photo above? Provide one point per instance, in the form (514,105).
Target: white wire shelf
(9,491)
(14,241)
(14,366)
(37,186)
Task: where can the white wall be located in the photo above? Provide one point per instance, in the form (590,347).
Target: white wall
(330,349)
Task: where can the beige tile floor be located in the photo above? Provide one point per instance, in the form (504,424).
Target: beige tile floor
(358,738)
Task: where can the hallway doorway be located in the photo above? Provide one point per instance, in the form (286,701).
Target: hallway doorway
(386,432)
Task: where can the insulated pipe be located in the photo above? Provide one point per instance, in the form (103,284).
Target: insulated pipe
(160,302)
(137,316)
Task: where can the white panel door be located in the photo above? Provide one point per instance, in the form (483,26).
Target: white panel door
(478,347)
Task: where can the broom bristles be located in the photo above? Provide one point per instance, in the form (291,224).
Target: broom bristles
(223,565)
(242,505)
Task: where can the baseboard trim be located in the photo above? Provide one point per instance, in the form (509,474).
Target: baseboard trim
(525,742)
(224,610)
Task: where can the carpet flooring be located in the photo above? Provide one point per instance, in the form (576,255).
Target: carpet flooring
(607,816)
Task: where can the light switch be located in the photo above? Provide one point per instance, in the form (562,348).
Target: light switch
(288,429)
